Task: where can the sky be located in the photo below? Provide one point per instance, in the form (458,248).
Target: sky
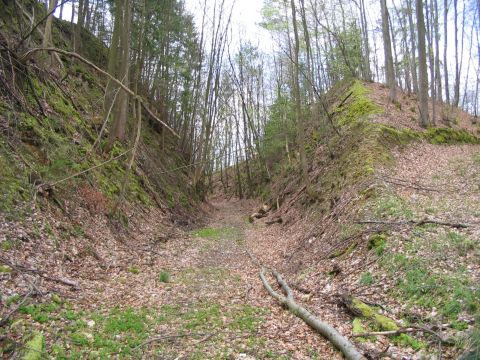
(246,16)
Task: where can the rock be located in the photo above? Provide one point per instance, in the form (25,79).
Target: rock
(22,235)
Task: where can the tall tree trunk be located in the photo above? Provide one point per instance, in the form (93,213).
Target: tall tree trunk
(438,75)
(367,74)
(387,46)
(47,37)
(429,17)
(413,62)
(445,42)
(422,65)
(456,85)
(298,105)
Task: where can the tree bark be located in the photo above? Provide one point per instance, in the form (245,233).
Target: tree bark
(387,46)
(324,329)
(422,66)
(298,105)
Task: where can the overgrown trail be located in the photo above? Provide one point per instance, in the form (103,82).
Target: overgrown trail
(215,292)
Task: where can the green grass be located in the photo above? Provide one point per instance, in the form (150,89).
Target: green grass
(449,292)
(366,278)
(391,206)
(77,334)
(164,277)
(216,233)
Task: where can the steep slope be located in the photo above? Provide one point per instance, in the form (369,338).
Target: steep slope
(384,222)
(59,239)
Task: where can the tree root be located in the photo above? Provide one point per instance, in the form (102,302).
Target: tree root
(324,329)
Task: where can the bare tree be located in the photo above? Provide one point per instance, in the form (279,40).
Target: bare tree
(422,65)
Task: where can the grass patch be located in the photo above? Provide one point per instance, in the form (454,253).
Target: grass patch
(217,233)
(164,277)
(366,278)
(450,293)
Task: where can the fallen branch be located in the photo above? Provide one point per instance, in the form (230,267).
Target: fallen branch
(29,53)
(405,183)
(6,317)
(324,329)
(415,223)
(85,171)
(42,273)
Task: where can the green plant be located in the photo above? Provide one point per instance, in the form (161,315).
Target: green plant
(378,242)
(134,270)
(164,277)
(366,278)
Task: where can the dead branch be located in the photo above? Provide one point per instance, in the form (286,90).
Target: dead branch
(324,329)
(415,223)
(405,183)
(29,53)
(86,170)
(42,273)
(6,317)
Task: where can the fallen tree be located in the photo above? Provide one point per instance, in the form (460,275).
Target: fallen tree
(340,342)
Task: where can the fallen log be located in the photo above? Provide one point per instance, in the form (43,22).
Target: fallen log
(340,342)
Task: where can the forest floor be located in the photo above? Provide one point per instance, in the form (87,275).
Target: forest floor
(199,296)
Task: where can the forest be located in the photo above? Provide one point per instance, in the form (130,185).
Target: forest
(181,181)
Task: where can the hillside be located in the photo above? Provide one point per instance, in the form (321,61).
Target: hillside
(115,250)
(393,221)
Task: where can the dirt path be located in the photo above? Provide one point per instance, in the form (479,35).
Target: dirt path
(220,275)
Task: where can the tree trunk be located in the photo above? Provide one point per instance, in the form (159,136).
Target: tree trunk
(387,46)
(413,62)
(456,86)
(422,66)
(445,42)
(298,106)
(47,39)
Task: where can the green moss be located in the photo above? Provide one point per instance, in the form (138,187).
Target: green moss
(5,269)
(378,243)
(450,136)
(343,251)
(358,328)
(34,347)
(134,270)
(358,107)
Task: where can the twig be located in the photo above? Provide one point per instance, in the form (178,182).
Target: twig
(42,273)
(407,184)
(85,171)
(38,23)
